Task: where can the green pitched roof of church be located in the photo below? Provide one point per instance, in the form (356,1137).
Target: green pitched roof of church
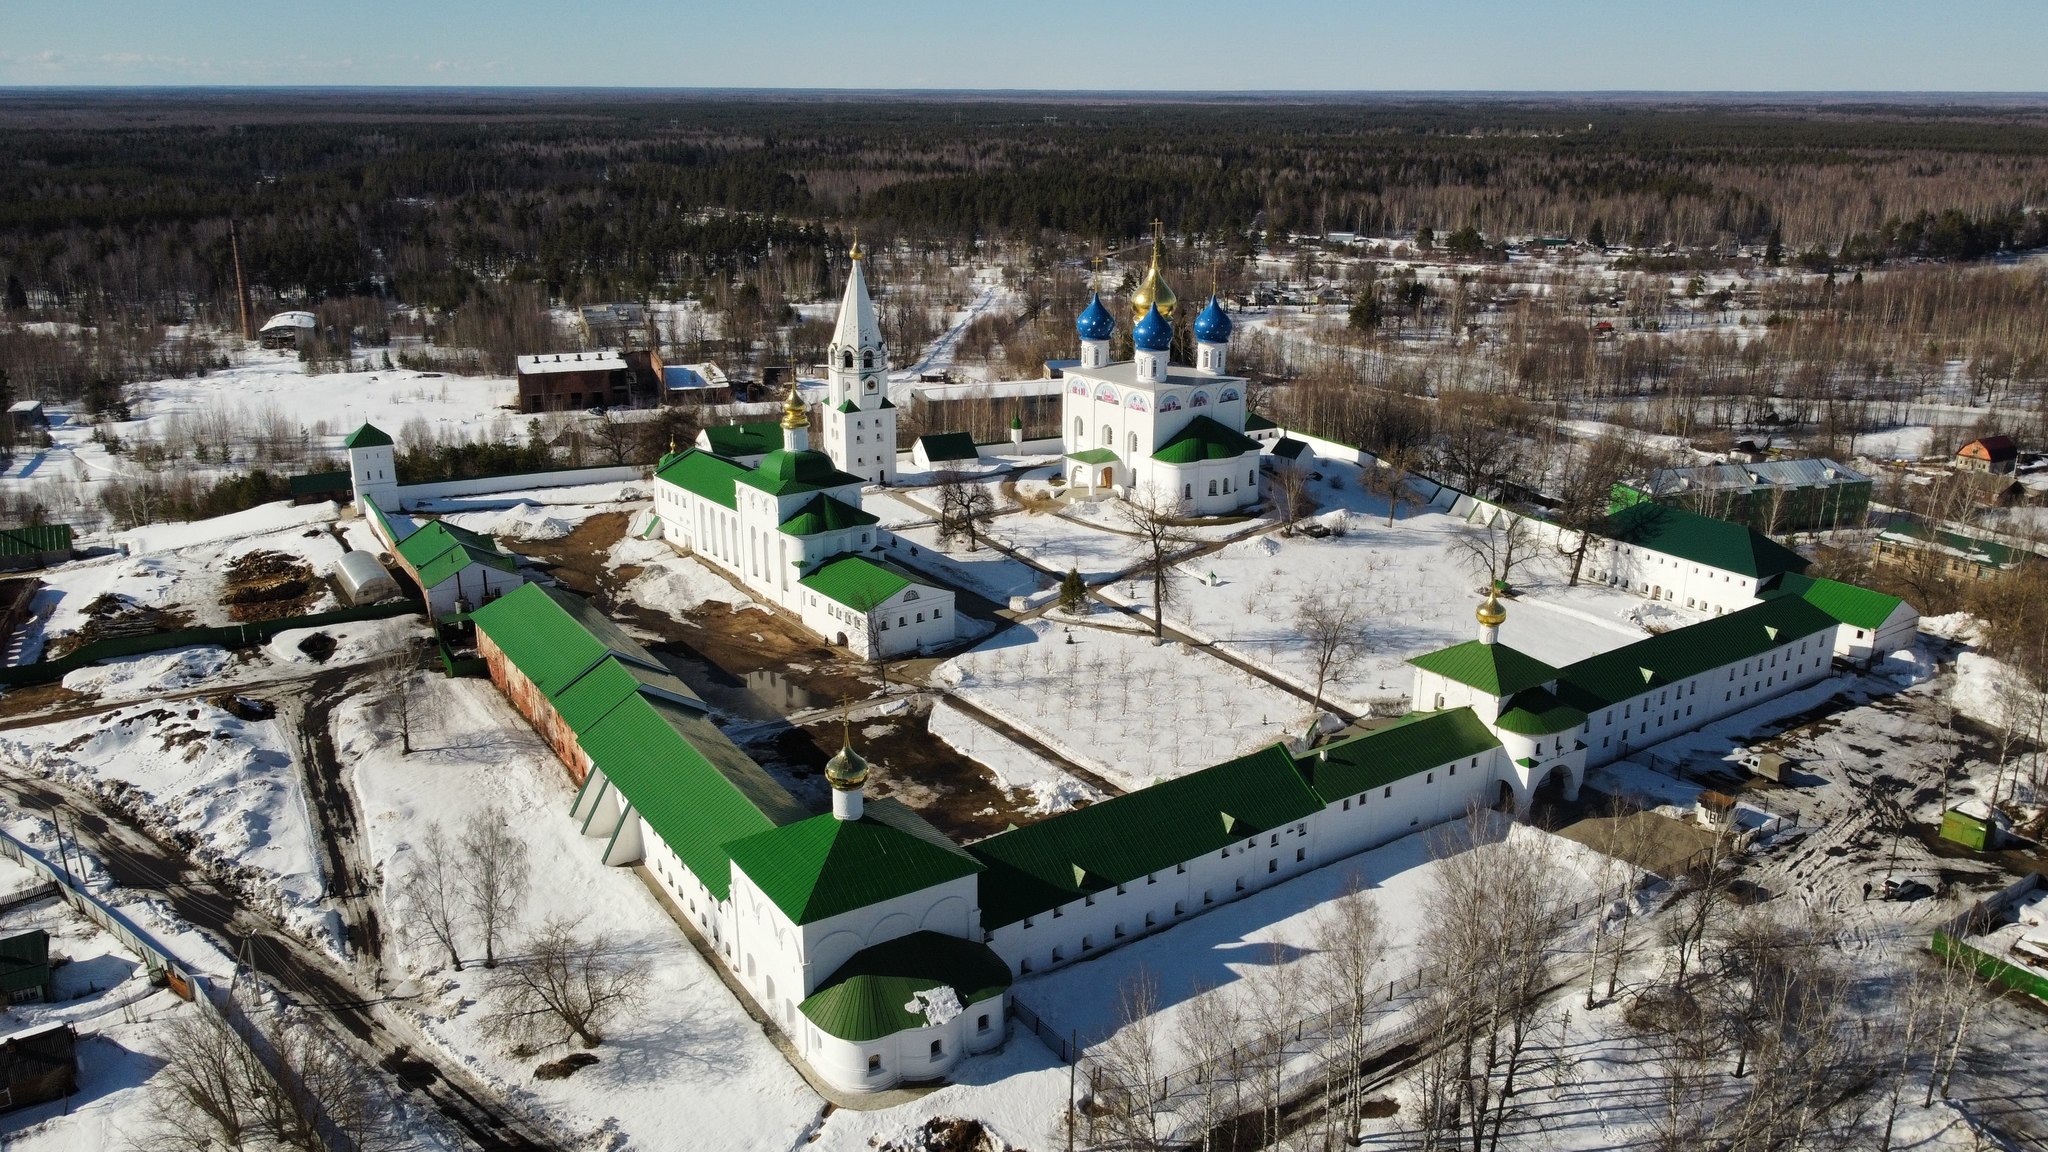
(1122,839)
(1416,742)
(1686,652)
(745,439)
(368,436)
(437,551)
(1721,544)
(949,446)
(822,867)
(857,582)
(1204,439)
(826,514)
(705,473)
(874,994)
(1538,712)
(1856,607)
(782,472)
(1494,669)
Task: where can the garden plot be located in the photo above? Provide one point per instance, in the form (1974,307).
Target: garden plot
(1114,703)
(1233,950)
(1060,544)
(200,775)
(1413,582)
(688,1040)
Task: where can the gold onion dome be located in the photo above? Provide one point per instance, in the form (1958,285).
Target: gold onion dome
(1154,291)
(857,252)
(846,770)
(1491,613)
(794,414)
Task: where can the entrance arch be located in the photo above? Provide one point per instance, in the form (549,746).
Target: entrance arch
(1504,798)
(1108,475)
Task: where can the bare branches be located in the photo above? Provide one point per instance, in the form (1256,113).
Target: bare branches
(493,874)
(1334,626)
(965,508)
(1499,548)
(429,896)
(1152,515)
(564,986)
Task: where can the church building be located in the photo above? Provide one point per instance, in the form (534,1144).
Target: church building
(1146,428)
(788,524)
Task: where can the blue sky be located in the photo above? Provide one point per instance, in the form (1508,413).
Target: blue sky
(1684,45)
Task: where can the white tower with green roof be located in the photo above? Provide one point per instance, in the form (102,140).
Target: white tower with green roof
(372,468)
(860,422)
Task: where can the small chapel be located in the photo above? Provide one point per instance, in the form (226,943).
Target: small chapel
(1170,435)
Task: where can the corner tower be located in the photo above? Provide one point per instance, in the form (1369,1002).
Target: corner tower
(860,423)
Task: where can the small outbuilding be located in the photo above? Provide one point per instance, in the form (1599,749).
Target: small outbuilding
(941,450)
(1971,824)
(25,967)
(287,329)
(313,487)
(27,416)
(38,1066)
(363,580)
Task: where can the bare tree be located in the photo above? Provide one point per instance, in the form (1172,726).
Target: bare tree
(1348,949)
(206,1089)
(965,508)
(1333,626)
(1585,492)
(1499,548)
(1210,1034)
(1291,492)
(394,680)
(214,1091)
(431,896)
(564,986)
(618,436)
(493,874)
(1153,516)
(1126,1068)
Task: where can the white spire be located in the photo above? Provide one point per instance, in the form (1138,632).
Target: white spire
(857,332)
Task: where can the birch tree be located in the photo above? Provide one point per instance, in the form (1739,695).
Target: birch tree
(493,874)
(431,898)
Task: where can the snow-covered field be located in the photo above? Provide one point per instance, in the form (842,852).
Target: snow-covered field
(1116,704)
(1017,768)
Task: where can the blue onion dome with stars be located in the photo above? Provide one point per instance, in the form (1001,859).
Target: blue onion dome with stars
(1213,325)
(1153,333)
(1095,322)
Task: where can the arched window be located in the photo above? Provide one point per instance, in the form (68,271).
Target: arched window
(846,360)
(867,359)
(1078,433)
(1212,487)
(1134,445)
(1108,436)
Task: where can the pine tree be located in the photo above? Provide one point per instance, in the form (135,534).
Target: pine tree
(17,296)
(1597,237)
(1073,591)
(1774,248)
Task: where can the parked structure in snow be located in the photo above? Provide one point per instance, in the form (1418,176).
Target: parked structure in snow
(363,580)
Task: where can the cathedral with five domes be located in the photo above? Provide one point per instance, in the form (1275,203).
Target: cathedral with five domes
(1167,435)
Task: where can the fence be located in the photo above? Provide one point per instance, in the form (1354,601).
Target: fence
(220,1002)
(230,636)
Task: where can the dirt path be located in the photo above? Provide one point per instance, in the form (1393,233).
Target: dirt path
(377,1034)
(335,815)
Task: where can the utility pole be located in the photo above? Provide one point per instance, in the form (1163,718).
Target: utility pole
(1073,1076)
(241,285)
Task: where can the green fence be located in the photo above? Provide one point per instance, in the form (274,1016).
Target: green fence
(1991,967)
(231,636)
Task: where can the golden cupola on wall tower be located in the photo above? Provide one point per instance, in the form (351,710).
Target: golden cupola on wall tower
(1154,291)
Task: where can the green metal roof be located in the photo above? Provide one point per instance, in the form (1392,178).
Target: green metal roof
(949,446)
(34,539)
(25,961)
(871,995)
(708,475)
(1625,673)
(1536,712)
(827,514)
(1204,439)
(312,482)
(437,551)
(553,637)
(692,786)
(1856,607)
(1722,544)
(821,867)
(1988,553)
(1416,743)
(606,684)
(745,439)
(1094,456)
(1495,669)
(1253,422)
(857,582)
(782,472)
(368,436)
(1288,448)
(1065,857)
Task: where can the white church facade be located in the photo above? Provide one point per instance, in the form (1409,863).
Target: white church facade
(1148,429)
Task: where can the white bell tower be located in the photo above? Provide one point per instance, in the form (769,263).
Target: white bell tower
(860,422)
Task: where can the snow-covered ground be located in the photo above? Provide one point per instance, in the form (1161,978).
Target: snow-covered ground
(1017,768)
(688,1039)
(1116,704)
